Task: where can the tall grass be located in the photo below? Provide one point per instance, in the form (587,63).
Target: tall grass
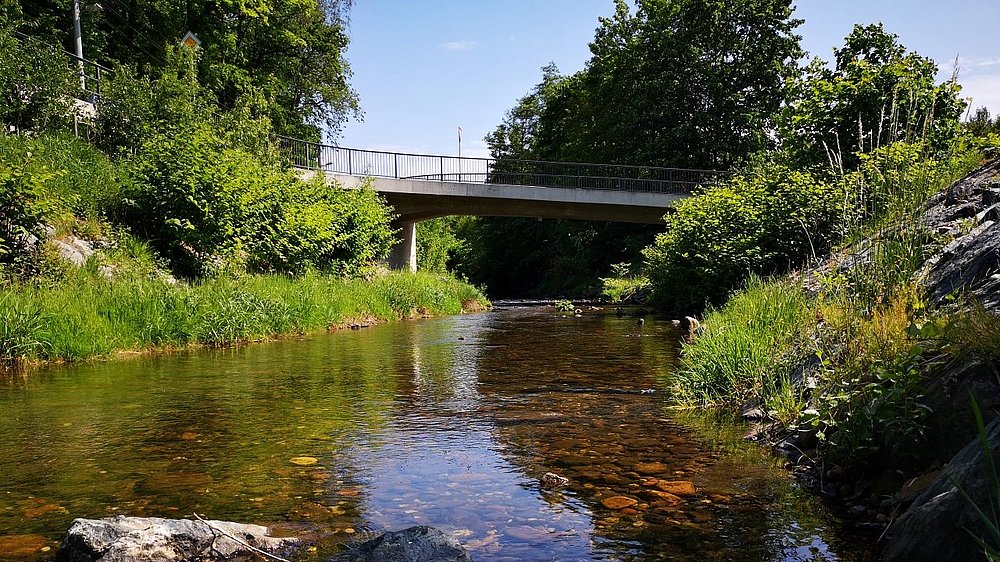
(739,356)
(90,316)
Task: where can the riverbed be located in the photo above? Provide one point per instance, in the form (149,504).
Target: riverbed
(449,422)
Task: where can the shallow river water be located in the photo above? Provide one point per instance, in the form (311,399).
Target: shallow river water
(449,422)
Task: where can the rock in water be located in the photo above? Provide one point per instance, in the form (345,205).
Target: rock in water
(152,539)
(416,544)
(551,481)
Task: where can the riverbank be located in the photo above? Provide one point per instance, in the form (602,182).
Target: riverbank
(87,315)
(862,369)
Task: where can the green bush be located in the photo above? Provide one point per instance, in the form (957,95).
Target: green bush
(25,201)
(133,108)
(86,182)
(437,243)
(36,84)
(316,225)
(763,221)
(209,206)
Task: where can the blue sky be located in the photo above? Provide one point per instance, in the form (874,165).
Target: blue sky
(423,69)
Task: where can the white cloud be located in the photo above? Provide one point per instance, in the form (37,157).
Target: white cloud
(978,63)
(459,45)
(984,89)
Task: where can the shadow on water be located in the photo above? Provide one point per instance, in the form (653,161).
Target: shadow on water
(449,422)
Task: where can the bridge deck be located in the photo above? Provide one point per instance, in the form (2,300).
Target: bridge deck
(439,168)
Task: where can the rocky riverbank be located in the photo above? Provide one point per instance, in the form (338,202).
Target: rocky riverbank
(916,494)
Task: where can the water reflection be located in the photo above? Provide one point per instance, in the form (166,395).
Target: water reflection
(449,422)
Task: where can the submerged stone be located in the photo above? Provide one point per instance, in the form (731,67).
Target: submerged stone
(416,544)
(618,502)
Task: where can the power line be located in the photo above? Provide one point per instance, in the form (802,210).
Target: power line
(147,39)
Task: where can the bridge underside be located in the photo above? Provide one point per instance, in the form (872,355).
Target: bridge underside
(419,207)
(417,200)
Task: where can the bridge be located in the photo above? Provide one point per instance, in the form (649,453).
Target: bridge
(421,187)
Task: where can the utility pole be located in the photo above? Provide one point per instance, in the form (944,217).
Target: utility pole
(78,36)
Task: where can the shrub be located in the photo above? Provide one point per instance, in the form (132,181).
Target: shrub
(624,283)
(86,182)
(316,225)
(36,84)
(209,206)
(25,203)
(763,221)
(437,243)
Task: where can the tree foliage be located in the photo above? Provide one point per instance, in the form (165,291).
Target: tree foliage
(36,87)
(209,206)
(289,52)
(682,83)
(875,94)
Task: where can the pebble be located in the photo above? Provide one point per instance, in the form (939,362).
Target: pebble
(618,502)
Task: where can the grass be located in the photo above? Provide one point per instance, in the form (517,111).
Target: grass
(739,357)
(87,315)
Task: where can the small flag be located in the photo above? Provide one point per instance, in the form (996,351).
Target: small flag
(459,134)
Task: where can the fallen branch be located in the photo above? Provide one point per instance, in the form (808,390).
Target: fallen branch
(241,542)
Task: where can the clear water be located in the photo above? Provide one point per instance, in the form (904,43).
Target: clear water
(448,422)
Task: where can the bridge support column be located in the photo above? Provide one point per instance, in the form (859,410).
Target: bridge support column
(403,256)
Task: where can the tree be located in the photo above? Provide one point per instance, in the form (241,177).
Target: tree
(876,93)
(36,88)
(681,83)
(689,83)
(291,52)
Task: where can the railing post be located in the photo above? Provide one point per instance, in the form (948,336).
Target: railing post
(441,158)
(579,176)
(350,164)
(395,165)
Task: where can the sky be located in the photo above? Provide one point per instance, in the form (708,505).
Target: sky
(424,69)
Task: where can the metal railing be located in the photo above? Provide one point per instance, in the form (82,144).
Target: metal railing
(91,76)
(610,177)
(90,73)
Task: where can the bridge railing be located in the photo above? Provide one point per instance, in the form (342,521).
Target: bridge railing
(358,162)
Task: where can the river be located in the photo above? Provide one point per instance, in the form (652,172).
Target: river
(448,422)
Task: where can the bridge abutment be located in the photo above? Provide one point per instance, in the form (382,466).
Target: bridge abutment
(403,256)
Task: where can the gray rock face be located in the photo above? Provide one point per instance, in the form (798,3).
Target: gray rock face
(152,539)
(969,265)
(937,526)
(416,544)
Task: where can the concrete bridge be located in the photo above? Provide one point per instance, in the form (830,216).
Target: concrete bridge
(421,187)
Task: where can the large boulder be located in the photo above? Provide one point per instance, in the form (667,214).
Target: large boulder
(941,523)
(152,539)
(416,544)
